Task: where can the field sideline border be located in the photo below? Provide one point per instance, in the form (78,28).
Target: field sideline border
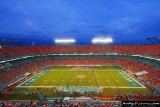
(30,78)
(75,86)
(134,79)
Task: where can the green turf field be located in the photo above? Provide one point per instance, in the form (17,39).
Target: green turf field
(112,79)
(77,76)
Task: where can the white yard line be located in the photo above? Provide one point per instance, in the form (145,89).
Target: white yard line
(104,79)
(113,78)
(62,77)
(96,76)
(76,79)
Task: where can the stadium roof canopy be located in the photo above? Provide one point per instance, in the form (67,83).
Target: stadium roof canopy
(40,22)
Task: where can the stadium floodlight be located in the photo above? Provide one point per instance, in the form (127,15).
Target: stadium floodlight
(102,40)
(65,40)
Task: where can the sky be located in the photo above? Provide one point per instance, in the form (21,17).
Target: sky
(40,22)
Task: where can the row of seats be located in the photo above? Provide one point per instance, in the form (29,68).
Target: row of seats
(12,52)
(65,103)
(57,103)
(17,72)
(138,98)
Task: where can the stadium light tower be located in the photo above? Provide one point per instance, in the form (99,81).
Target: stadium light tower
(63,41)
(102,40)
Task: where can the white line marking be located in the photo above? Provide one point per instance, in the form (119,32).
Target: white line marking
(74,86)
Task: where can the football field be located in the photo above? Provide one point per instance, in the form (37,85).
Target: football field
(82,76)
(89,76)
